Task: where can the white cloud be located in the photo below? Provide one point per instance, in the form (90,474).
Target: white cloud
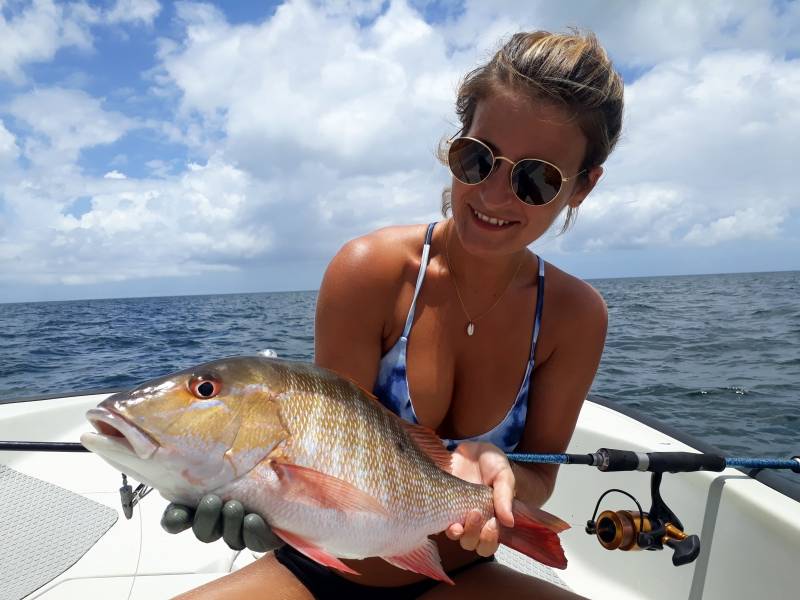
(332,130)
(9,151)
(321,123)
(640,33)
(40,28)
(125,11)
(340,121)
(307,86)
(363,9)
(749,223)
(37,32)
(705,142)
(196,223)
(629,216)
(65,121)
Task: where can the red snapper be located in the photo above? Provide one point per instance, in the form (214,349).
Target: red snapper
(334,473)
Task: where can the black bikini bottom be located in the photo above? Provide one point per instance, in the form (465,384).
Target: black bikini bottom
(324,583)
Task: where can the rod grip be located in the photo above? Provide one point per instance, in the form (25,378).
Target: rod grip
(684,462)
(658,462)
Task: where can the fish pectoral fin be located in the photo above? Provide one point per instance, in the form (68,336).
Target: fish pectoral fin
(431,444)
(423,560)
(313,552)
(308,486)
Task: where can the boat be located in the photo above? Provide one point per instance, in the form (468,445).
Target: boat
(64,534)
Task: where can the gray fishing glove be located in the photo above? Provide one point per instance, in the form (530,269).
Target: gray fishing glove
(211,521)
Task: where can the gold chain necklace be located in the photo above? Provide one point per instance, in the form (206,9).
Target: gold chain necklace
(470,321)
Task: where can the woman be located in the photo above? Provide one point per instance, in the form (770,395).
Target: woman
(452,324)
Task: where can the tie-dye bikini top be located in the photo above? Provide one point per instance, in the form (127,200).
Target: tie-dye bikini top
(391,386)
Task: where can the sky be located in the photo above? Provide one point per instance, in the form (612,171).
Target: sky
(154,148)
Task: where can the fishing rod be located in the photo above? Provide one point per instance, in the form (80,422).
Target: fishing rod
(604,459)
(43,446)
(660,526)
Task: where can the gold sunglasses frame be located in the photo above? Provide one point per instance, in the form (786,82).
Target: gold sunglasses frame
(511,171)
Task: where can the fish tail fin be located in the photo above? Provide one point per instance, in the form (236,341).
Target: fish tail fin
(535,534)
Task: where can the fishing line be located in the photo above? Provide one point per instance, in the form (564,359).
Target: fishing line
(139,557)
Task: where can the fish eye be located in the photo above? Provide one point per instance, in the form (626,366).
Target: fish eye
(204,387)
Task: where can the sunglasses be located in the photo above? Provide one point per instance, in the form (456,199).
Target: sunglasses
(534,181)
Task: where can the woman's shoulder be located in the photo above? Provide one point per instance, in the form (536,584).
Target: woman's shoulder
(578,302)
(379,260)
(391,241)
(361,285)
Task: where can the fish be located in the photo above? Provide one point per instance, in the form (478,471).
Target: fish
(334,473)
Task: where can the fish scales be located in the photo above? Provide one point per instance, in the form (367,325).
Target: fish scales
(370,449)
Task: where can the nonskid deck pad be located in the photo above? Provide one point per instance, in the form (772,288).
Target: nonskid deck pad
(44,530)
(519,562)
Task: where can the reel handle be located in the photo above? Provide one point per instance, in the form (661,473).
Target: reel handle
(685,550)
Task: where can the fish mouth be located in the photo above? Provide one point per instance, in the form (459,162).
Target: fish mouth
(115,430)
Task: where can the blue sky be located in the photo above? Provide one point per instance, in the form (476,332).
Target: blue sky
(152,148)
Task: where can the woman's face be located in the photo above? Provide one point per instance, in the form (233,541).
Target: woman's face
(514,127)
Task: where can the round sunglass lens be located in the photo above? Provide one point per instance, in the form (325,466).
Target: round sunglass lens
(535,182)
(469,161)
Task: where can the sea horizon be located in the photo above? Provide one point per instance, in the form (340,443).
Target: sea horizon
(298,291)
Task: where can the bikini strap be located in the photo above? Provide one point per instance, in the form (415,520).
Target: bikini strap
(423,264)
(537,319)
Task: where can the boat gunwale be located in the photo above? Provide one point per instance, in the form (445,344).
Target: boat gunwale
(70,394)
(765,476)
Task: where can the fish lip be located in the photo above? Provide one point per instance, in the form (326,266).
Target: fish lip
(139,442)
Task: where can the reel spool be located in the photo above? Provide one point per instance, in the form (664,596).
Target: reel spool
(619,530)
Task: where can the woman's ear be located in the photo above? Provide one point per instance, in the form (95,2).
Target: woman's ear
(587,185)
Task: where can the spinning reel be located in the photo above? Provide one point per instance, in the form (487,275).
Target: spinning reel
(659,527)
(652,530)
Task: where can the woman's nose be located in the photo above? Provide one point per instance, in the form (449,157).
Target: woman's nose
(496,189)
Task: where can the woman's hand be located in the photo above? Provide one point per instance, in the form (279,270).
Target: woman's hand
(481,462)
(212,520)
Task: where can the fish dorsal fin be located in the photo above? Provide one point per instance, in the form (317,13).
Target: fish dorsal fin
(430,443)
(314,488)
(361,388)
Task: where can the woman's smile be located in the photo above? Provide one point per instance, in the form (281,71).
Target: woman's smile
(490,222)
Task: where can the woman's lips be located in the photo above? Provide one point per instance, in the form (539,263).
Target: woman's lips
(499,225)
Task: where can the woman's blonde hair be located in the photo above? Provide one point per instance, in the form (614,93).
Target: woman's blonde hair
(570,70)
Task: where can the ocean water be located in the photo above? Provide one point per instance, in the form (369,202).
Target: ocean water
(717,356)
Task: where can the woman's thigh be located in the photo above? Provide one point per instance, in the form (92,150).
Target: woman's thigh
(264,579)
(489,580)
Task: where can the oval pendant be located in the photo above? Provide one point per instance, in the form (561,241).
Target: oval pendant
(470,328)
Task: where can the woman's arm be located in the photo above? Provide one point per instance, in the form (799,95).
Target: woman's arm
(561,382)
(354,307)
